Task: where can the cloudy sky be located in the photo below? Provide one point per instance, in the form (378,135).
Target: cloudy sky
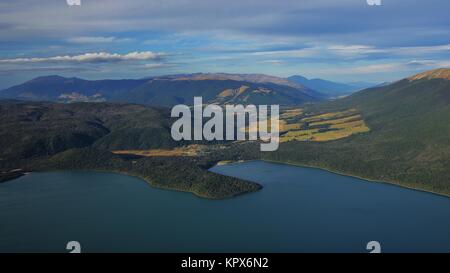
(342,40)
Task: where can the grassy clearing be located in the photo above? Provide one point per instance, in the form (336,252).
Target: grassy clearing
(331,115)
(291,113)
(333,126)
(337,121)
(189,151)
(301,135)
(295,125)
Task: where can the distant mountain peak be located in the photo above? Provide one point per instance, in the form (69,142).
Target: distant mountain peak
(52,78)
(254,78)
(49,77)
(329,89)
(441,73)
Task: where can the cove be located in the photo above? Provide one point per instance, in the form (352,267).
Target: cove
(298,210)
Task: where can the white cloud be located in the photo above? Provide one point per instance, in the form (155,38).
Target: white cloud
(430,63)
(159,65)
(350,51)
(274,62)
(296,53)
(96,57)
(423,49)
(324,51)
(97,40)
(353,50)
(414,65)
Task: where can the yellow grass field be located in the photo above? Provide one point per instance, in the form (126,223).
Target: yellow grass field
(291,113)
(334,125)
(191,150)
(331,115)
(336,121)
(302,135)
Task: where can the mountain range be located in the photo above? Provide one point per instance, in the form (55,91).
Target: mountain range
(407,141)
(329,88)
(167,90)
(181,88)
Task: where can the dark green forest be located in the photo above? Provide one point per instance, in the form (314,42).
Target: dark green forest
(408,143)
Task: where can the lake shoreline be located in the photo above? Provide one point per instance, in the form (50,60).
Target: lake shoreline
(222,163)
(146,180)
(12,175)
(355,176)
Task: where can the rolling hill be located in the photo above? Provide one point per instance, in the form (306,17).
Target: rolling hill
(167,90)
(160,92)
(51,88)
(33,129)
(45,136)
(409,138)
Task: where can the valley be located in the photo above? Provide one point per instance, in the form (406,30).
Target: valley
(396,133)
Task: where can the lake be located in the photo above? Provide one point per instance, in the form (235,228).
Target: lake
(299,210)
